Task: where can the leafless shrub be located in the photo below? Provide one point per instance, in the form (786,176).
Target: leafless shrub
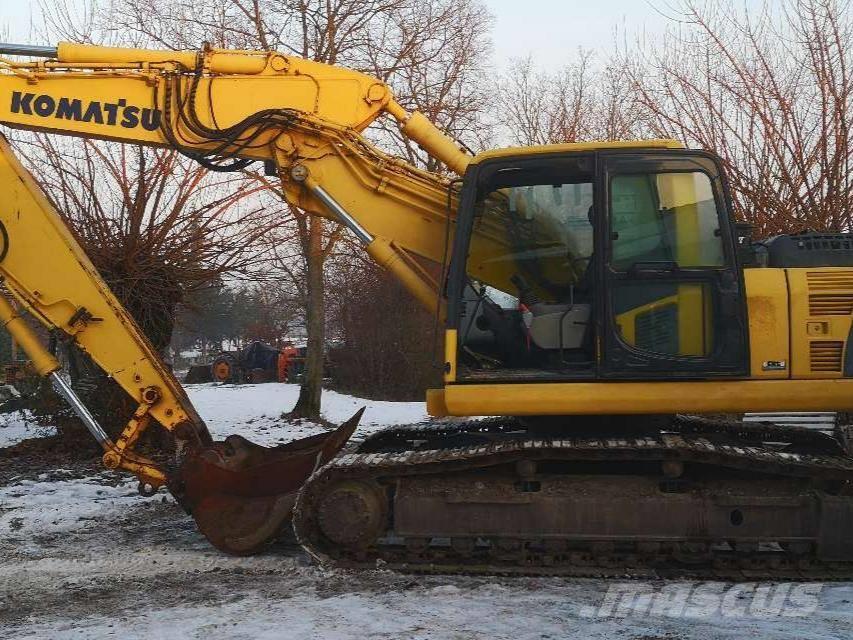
(387,348)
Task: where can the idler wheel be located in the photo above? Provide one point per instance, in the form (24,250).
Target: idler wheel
(352,513)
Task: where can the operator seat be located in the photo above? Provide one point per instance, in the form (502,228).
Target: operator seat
(566,325)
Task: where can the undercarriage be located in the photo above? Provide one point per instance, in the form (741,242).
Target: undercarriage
(680,496)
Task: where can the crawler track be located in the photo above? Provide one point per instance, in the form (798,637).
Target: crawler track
(702,499)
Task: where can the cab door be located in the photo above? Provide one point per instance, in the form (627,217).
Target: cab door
(673,302)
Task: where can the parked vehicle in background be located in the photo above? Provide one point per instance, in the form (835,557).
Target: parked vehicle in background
(255,363)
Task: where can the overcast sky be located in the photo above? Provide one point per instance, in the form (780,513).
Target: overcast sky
(550,30)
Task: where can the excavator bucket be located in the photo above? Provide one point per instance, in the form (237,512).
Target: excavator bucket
(241,494)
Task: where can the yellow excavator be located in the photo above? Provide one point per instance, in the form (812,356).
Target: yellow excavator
(599,296)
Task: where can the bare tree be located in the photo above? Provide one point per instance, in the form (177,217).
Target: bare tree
(158,229)
(581,102)
(433,55)
(770,92)
(156,226)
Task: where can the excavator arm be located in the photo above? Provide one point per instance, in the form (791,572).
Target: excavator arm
(225,109)
(46,271)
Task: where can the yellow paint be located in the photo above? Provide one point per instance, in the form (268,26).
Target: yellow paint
(575,147)
(695,330)
(419,128)
(435,403)
(451,343)
(43,361)
(677,193)
(593,398)
(694,334)
(627,321)
(767,306)
(77,54)
(341,100)
(416,282)
(806,285)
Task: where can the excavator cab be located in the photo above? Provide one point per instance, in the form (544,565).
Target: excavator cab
(602,263)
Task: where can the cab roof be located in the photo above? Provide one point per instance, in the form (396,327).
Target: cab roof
(575,147)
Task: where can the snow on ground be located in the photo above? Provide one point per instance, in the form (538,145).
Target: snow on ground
(82,555)
(527,610)
(254,411)
(53,505)
(18,426)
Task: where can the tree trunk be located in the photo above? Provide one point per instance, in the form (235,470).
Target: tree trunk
(310,393)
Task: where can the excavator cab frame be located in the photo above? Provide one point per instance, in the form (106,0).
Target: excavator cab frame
(665,300)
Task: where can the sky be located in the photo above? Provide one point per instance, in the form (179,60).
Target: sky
(549,30)
(15,17)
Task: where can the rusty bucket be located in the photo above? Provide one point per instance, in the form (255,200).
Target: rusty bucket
(241,494)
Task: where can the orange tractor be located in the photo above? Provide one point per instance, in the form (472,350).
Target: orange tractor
(255,363)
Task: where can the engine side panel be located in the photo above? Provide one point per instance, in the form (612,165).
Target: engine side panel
(767,305)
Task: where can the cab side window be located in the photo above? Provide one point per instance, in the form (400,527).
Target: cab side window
(664,218)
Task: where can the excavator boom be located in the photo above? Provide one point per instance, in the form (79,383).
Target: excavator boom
(227,109)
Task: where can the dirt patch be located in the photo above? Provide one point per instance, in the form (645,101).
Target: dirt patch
(31,459)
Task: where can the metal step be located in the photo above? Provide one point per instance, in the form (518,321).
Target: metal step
(819,421)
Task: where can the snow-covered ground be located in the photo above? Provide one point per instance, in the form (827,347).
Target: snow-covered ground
(18,426)
(82,555)
(254,411)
